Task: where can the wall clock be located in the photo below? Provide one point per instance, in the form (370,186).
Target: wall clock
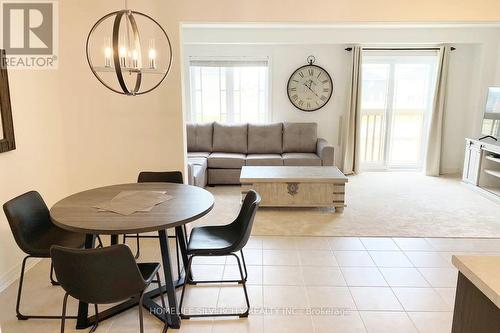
(310,87)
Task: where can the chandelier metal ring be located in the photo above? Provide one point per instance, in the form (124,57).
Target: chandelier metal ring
(117,62)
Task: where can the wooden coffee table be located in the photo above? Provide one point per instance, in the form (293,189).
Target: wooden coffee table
(296,186)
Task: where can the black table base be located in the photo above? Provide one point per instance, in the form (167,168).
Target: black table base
(171,315)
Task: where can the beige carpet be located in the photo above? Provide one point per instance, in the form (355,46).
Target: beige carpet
(391,204)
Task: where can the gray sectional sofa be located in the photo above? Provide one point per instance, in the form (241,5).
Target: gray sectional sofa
(216,152)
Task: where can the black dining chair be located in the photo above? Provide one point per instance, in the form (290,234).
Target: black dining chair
(223,240)
(156,177)
(34,233)
(103,276)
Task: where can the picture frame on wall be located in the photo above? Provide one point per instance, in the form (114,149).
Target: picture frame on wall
(7,139)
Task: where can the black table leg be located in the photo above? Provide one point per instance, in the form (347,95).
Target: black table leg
(83,308)
(174,319)
(114,239)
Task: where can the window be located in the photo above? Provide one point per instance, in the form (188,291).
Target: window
(396,101)
(228,91)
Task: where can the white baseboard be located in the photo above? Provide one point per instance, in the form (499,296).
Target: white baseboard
(13,274)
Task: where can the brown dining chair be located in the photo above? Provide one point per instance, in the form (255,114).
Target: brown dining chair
(223,240)
(34,233)
(174,177)
(103,276)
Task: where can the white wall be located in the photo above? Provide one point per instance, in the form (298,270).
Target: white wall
(471,68)
(497,78)
(463,91)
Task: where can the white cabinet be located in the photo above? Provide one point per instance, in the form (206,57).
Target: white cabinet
(482,165)
(472,163)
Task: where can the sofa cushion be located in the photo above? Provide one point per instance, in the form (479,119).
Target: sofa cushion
(199,137)
(223,176)
(264,159)
(195,154)
(300,137)
(265,138)
(230,138)
(301,159)
(226,160)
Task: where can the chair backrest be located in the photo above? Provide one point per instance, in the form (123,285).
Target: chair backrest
(98,276)
(29,219)
(160,177)
(244,222)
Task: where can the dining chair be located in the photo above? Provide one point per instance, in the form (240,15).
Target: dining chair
(34,233)
(156,177)
(103,276)
(223,240)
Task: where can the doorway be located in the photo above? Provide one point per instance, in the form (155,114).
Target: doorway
(396,103)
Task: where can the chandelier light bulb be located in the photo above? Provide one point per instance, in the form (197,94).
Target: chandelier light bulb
(123,56)
(135,59)
(152,54)
(152,58)
(108,54)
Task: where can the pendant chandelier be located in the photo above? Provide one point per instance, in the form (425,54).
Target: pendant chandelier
(116,52)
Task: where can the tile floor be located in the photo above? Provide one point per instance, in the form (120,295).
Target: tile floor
(313,284)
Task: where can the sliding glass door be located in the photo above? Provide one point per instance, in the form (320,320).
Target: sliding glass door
(396,101)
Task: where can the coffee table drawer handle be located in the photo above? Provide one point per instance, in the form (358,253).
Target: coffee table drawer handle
(293,188)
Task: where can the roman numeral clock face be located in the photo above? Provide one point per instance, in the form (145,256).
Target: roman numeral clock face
(310,88)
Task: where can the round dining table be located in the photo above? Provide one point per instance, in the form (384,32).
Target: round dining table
(78,213)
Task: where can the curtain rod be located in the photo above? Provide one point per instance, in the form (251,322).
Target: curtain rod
(401,49)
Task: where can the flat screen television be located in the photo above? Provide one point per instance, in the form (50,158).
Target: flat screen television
(491,119)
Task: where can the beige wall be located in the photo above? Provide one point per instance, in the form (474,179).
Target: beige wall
(38,163)
(73,134)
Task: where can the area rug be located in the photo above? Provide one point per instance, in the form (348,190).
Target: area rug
(390,204)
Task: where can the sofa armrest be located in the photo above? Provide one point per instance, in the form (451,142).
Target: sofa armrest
(190,170)
(325,152)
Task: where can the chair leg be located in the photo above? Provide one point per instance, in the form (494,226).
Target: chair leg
(20,290)
(177,250)
(244,265)
(188,269)
(63,315)
(99,240)
(19,315)
(141,319)
(137,241)
(163,304)
(52,280)
(94,327)
(242,281)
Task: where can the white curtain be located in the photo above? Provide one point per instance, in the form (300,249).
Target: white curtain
(353,118)
(433,156)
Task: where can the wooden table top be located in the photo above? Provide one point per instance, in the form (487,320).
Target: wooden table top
(483,272)
(77,212)
(277,174)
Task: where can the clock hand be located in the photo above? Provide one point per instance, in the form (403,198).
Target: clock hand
(311,90)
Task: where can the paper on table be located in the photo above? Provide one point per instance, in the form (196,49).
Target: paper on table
(129,202)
